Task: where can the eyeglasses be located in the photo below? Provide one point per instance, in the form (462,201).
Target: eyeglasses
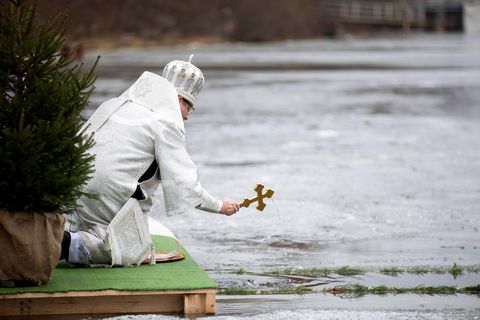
(190,107)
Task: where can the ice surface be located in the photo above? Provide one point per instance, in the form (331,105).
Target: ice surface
(371,145)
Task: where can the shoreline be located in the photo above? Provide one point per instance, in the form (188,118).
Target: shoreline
(117,42)
(131,41)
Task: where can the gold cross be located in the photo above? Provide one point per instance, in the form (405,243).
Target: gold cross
(259,198)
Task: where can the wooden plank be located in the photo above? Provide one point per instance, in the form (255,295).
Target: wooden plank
(101,293)
(199,303)
(211,303)
(97,305)
(108,302)
(195,304)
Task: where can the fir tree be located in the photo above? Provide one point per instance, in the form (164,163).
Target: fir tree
(44,163)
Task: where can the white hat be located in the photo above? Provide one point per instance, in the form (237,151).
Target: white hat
(185,77)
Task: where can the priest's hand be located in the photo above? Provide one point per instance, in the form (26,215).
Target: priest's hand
(229,207)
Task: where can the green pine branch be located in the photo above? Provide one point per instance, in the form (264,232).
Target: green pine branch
(44,159)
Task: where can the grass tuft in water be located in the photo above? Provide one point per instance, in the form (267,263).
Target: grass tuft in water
(322,272)
(243,291)
(419,270)
(239,271)
(237,291)
(347,271)
(393,271)
(472,290)
(474,269)
(360,290)
(297,290)
(455,270)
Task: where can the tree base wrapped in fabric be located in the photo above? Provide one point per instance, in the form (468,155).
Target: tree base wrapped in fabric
(30,247)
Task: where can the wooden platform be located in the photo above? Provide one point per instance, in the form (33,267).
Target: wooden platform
(180,287)
(107,302)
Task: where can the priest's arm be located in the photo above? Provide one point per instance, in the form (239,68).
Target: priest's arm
(181,187)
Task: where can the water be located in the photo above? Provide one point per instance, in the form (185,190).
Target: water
(371,145)
(330,314)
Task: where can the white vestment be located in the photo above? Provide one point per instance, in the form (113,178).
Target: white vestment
(146,125)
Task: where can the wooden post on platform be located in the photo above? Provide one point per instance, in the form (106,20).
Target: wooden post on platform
(199,304)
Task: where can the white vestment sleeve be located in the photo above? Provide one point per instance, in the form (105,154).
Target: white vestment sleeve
(179,177)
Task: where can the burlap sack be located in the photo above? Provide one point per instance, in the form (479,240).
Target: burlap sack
(30,246)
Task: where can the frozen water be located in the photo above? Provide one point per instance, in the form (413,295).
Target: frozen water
(371,145)
(332,315)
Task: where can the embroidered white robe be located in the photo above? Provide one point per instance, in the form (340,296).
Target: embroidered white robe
(147,126)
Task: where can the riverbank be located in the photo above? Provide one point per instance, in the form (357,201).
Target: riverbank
(130,41)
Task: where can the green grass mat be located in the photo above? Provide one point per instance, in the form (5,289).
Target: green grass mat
(177,275)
